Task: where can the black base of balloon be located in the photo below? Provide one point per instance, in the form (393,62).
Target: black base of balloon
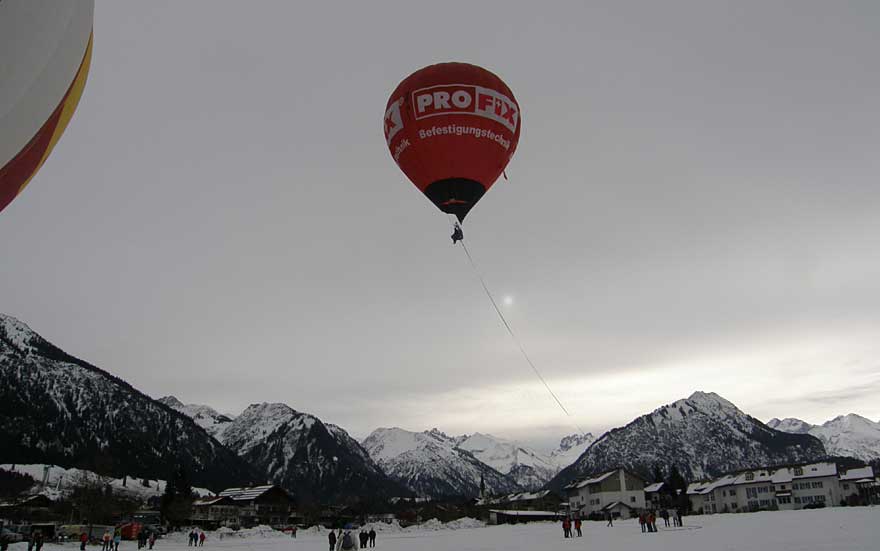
(455,195)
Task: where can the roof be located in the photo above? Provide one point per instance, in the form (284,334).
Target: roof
(210,501)
(595,480)
(33,501)
(856,474)
(655,487)
(245,494)
(524,513)
(615,504)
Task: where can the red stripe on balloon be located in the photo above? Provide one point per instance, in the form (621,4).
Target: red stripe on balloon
(23,165)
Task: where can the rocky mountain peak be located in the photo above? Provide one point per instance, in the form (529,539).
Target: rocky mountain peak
(171,402)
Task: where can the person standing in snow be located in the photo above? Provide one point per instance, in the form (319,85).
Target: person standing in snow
(202,538)
(642,522)
(83,540)
(346,542)
(152,539)
(610,518)
(331,537)
(577,526)
(372,537)
(117,539)
(566,527)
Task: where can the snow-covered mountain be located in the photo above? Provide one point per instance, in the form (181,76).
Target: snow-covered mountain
(432,464)
(845,436)
(529,468)
(570,449)
(790,425)
(205,416)
(297,451)
(60,410)
(703,435)
(61,482)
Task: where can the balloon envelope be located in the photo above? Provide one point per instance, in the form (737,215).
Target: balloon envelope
(45,50)
(452,128)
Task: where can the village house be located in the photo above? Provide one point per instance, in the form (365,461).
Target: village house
(544,500)
(498,516)
(618,492)
(30,507)
(856,485)
(785,488)
(269,505)
(654,495)
(215,512)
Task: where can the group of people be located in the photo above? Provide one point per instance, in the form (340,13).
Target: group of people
(196,538)
(648,519)
(567,525)
(36,541)
(110,542)
(345,540)
(145,539)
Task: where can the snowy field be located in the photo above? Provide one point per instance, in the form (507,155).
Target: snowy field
(837,529)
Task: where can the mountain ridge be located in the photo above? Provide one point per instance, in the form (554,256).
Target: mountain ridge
(850,435)
(58,409)
(702,435)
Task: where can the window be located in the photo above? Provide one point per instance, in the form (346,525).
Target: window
(783,500)
(820,498)
(732,493)
(817,484)
(632,499)
(723,493)
(765,503)
(799,471)
(782,487)
(751,492)
(750,476)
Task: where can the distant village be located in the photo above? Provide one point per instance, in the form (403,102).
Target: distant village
(615,494)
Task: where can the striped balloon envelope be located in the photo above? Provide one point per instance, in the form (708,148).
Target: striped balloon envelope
(45,50)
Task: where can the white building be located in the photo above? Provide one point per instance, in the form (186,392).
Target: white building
(792,487)
(856,483)
(618,492)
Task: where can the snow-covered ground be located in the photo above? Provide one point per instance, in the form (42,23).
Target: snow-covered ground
(836,529)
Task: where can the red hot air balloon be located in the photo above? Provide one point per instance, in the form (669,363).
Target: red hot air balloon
(452,128)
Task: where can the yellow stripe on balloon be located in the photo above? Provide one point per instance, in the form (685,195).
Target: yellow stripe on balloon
(68,106)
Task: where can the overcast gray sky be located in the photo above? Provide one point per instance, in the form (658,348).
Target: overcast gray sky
(694,204)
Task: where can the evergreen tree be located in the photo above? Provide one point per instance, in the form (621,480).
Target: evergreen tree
(677,487)
(176,504)
(658,475)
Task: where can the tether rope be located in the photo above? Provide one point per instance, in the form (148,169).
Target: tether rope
(515,338)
